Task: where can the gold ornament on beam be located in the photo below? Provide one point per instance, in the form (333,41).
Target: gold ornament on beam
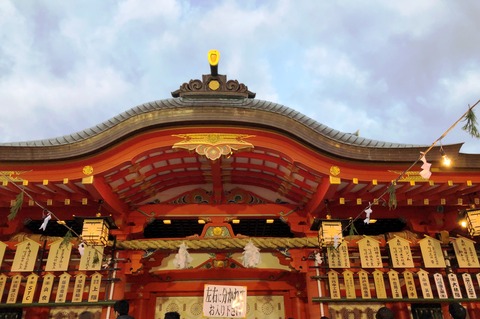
(213,145)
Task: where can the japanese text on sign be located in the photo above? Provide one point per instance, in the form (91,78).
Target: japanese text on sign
(225,301)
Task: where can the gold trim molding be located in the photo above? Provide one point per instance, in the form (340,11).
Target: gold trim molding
(213,145)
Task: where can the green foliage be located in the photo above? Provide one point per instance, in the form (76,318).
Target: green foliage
(96,258)
(66,239)
(16,208)
(471,124)
(352,230)
(392,197)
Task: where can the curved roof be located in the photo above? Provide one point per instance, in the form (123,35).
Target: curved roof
(182,103)
(219,111)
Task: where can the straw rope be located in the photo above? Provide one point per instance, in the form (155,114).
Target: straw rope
(219,243)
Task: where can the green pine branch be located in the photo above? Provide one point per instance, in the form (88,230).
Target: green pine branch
(352,231)
(66,239)
(96,258)
(471,124)
(392,197)
(16,207)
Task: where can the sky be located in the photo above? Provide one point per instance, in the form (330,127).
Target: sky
(395,71)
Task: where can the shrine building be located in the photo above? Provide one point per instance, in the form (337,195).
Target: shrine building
(216,204)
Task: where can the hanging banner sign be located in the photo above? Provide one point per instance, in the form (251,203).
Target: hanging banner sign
(410,284)
(94,291)
(432,253)
(25,256)
(58,256)
(3,248)
(46,288)
(469,286)
(400,253)
(14,287)
(370,256)
(379,284)
(30,287)
(334,284)
(425,284)
(62,288)
(339,258)
(3,281)
(395,284)
(225,301)
(78,287)
(453,280)
(349,284)
(465,253)
(91,258)
(440,284)
(364,284)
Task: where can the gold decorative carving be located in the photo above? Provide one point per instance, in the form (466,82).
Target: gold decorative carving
(213,145)
(87,170)
(334,170)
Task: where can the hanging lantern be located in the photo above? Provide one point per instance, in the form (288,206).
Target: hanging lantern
(473,221)
(330,231)
(96,230)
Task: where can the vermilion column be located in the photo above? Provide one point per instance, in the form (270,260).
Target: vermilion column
(400,309)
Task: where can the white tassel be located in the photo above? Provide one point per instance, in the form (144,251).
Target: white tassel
(251,255)
(47,218)
(81,248)
(182,258)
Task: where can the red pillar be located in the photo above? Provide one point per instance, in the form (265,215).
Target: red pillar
(400,310)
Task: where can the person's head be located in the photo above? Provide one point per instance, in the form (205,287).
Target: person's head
(457,311)
(86,315)
(172,315)
(384,313)
(121,307)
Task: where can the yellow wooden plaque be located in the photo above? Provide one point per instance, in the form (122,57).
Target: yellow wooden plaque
(440,284)
(400,253)
(95,283)
(339,257)
(425,285)
(370,256)
(395,287)
(58,256)
(90,254)
(3,248)
(62,288)
(410,284)
(364,284)
(469,286)
(465,253)
(432,253)
(78,287)
(25,256)
(379,282)
(334,284)
(14,288)
(30,288)
(454,286)
(3,281)
(349,284)
(47,286)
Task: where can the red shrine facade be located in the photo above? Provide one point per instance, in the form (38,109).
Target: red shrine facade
(214,188)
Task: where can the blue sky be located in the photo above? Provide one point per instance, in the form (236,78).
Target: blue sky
(397,71)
